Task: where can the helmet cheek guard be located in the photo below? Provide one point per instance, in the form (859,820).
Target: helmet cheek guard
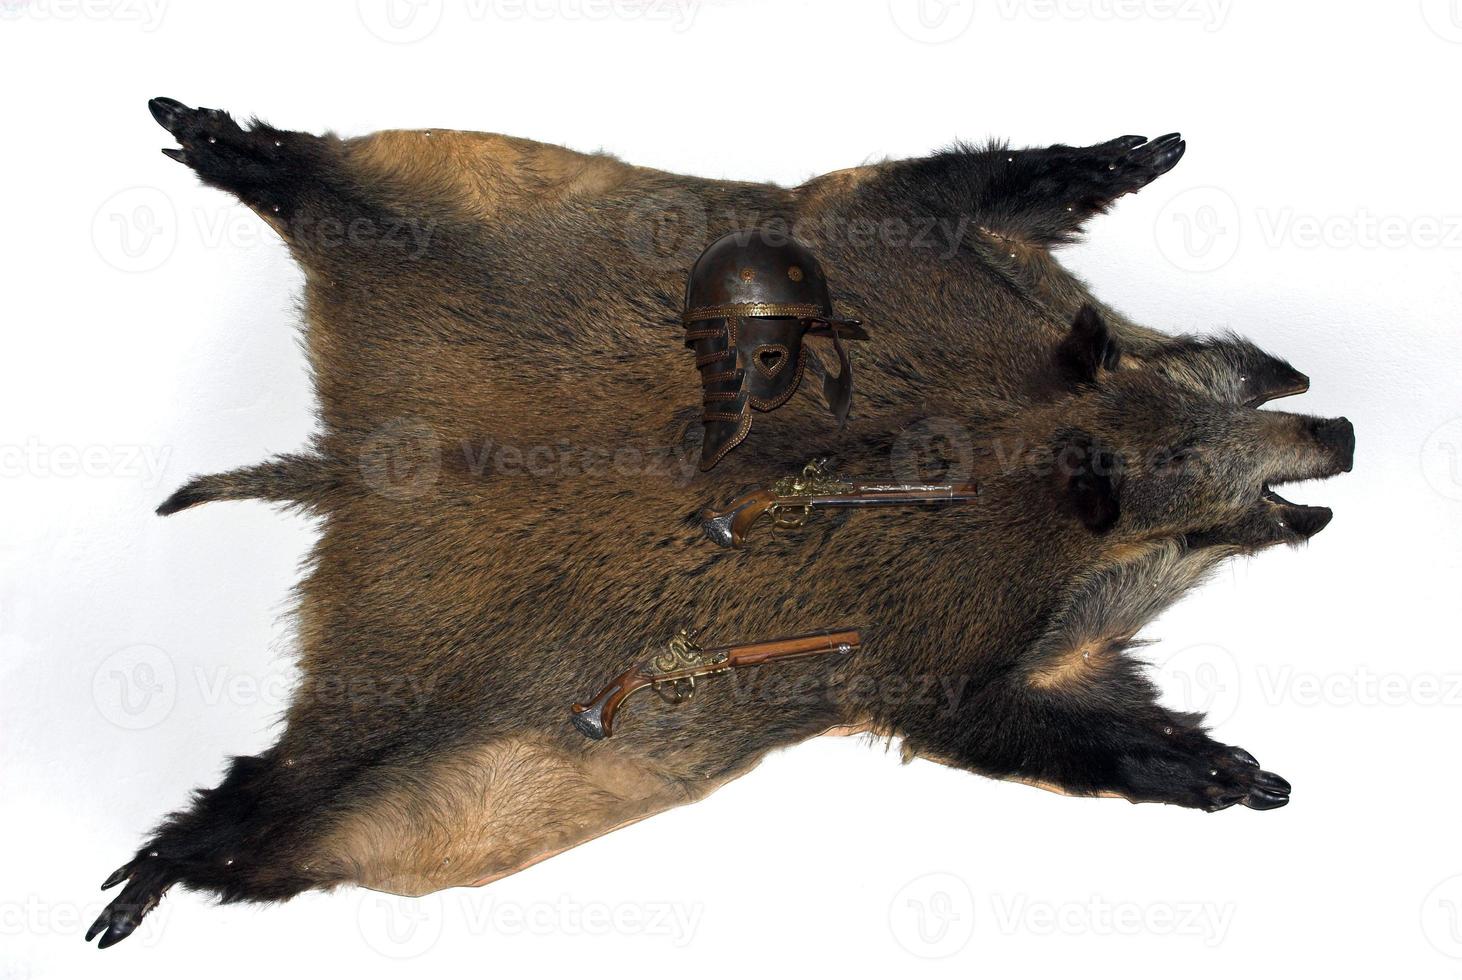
(749,304)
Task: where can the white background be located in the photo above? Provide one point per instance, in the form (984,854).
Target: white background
(150,334)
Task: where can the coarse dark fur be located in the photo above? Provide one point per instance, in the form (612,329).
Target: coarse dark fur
(506,500)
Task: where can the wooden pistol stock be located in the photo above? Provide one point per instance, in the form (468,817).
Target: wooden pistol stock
(672,674)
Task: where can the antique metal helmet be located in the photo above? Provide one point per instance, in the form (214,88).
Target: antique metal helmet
(750,300)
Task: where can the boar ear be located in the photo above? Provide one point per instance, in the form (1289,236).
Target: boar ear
(1087,478)
(1088,348)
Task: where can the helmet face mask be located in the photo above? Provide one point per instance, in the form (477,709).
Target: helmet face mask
(749,304)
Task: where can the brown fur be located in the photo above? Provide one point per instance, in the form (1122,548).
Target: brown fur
(506,484)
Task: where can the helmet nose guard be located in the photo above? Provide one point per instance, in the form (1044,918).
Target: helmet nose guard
(749,302)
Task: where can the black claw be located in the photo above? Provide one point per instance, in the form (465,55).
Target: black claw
(1124,143)
(166,111)
(1262,799)
(1270,781)
(118,932)
(147,882)
(1239,755)
(117,877)
(1169,158)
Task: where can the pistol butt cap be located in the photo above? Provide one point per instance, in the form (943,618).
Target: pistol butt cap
(717,527)
(589,723)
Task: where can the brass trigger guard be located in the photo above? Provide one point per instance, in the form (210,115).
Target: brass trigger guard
(677,691)
(790,517)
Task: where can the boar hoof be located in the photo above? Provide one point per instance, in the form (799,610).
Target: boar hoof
(262,166)
(148,879)
(1238,779)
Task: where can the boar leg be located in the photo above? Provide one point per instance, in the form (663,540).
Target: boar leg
(1037,197)
(1077,711)
(249,838)
(1111,739)
(278,174)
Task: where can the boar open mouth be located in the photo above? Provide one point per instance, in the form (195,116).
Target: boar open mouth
(1302,520)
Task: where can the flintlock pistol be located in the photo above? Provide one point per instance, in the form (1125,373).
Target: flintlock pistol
(672,673)
(791,500)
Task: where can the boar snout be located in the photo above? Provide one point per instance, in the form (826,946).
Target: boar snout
(1338,437)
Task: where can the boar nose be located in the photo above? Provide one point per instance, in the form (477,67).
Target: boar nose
(1338,436)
